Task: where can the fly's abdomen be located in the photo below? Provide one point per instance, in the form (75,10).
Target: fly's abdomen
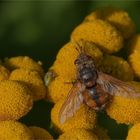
(96,98)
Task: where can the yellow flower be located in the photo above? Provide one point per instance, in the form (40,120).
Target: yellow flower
(65,68)
(66,71)
(4,73)
(15,100)
(24,62)
(134,132)
(58,89)
(100,32)
(12,130)
(117,67)
(134,57)
(64,64)
(78,134)
(125,110)
(117,17)
(32,79)
(85,117)
(40,133)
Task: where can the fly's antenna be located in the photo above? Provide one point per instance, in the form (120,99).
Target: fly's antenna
(80,47)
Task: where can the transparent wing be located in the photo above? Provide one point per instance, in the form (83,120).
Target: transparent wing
(72,102)
(116,87)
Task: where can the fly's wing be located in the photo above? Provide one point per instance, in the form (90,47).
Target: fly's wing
(116,87)
(72,102)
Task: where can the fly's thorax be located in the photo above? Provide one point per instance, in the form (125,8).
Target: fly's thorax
(86,71)
(87,76)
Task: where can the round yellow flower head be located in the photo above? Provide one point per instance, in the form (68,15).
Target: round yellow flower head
(85,117)
(15,100)
(101,133)
(40,133)
(134,132)
(32,79)
(64,64)
(12,130)
(117,67)
(134,57)
(4,73)
(117,17)
(24,62)
(57,89)
(78,134)
(65,68)
(100,32)
(125,110)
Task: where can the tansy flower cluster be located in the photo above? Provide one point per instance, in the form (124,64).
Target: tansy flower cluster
(14,130)
(21,84)
(102,35)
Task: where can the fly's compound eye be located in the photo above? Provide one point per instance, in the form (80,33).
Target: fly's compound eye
(77,62)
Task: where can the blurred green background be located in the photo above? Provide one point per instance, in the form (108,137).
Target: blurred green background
(40,29)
